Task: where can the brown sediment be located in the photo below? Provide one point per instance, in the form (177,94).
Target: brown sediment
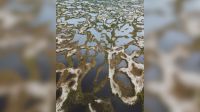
(136,71)
(60,66)
(71,83)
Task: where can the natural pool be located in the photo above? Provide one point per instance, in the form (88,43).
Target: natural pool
(100,55)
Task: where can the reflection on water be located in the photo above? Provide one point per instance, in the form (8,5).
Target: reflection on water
(100,43)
